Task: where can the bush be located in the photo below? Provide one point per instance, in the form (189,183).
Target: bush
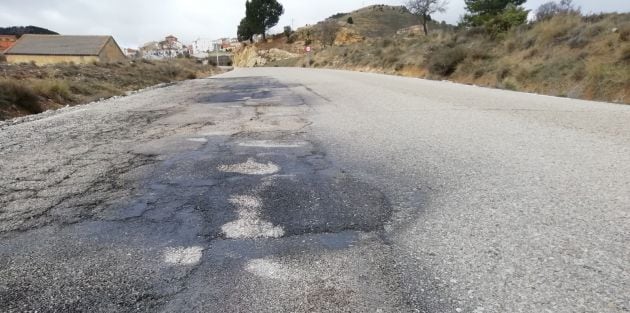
(511,17)
(550,9)
(577,41)
(625,55)
(288,31)
(350,20)
(337,15)
(57,90)
(444,61)
(503,73)
(16,93)
(329,32)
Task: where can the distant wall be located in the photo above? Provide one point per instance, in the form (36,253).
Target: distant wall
(51,59)
(111,52)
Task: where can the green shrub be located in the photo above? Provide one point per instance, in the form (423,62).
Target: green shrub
(16,93)
(350,20)
(511,17)
(444,61)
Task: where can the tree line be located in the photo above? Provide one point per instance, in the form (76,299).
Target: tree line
(496,16)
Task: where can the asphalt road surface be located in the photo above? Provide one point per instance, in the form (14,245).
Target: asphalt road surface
(295,190)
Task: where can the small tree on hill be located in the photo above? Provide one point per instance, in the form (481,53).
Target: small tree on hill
(350,20)
(424,8)
(287,31)
(550,9)
(481,12)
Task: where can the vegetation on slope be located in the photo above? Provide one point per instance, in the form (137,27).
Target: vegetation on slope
(563,54)
(23,30)
(28,89)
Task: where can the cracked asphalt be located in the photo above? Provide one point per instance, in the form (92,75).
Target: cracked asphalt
(295,190)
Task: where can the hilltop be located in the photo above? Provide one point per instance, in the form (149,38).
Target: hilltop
(568,55)
(378,20)
(23,30)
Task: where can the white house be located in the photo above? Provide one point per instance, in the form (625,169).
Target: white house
(166,49)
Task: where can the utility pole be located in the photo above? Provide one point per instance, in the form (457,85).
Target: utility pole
(217,52)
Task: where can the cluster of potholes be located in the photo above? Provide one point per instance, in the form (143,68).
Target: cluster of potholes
(270,188)
(224,209)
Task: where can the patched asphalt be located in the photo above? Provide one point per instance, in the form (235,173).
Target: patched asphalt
(224,202)
(297,190)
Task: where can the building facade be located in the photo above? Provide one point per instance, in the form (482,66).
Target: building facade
(51,49)
(169,48)
(6,42)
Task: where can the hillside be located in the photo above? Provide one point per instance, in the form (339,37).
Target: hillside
(586,57)
(379,20)
(23,30)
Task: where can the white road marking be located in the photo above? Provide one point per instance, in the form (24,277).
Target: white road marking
(272,144)
(249,224)
(203,140)
(183,256)
(270,269)
(250,228)
(249,202)
(251,167)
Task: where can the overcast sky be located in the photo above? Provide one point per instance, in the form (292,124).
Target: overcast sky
(134,22)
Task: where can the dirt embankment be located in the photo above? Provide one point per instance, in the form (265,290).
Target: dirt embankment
(251,56)
(29,89)
(583,57)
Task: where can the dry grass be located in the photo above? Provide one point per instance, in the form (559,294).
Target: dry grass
(567,55)
(15,96)
(27,88)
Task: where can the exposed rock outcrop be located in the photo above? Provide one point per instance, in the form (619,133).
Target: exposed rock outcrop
(250,56)
(348,36)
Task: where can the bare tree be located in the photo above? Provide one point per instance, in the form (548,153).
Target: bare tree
(424,9)
(329,30)
(550,9)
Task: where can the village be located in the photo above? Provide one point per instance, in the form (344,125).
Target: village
(43,49)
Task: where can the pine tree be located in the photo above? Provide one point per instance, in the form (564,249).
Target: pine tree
(260,16)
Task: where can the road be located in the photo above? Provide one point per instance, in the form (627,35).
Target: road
(297,190)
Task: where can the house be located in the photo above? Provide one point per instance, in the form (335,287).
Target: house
(6,42)
(50,49)
(131,53)
(169,48)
